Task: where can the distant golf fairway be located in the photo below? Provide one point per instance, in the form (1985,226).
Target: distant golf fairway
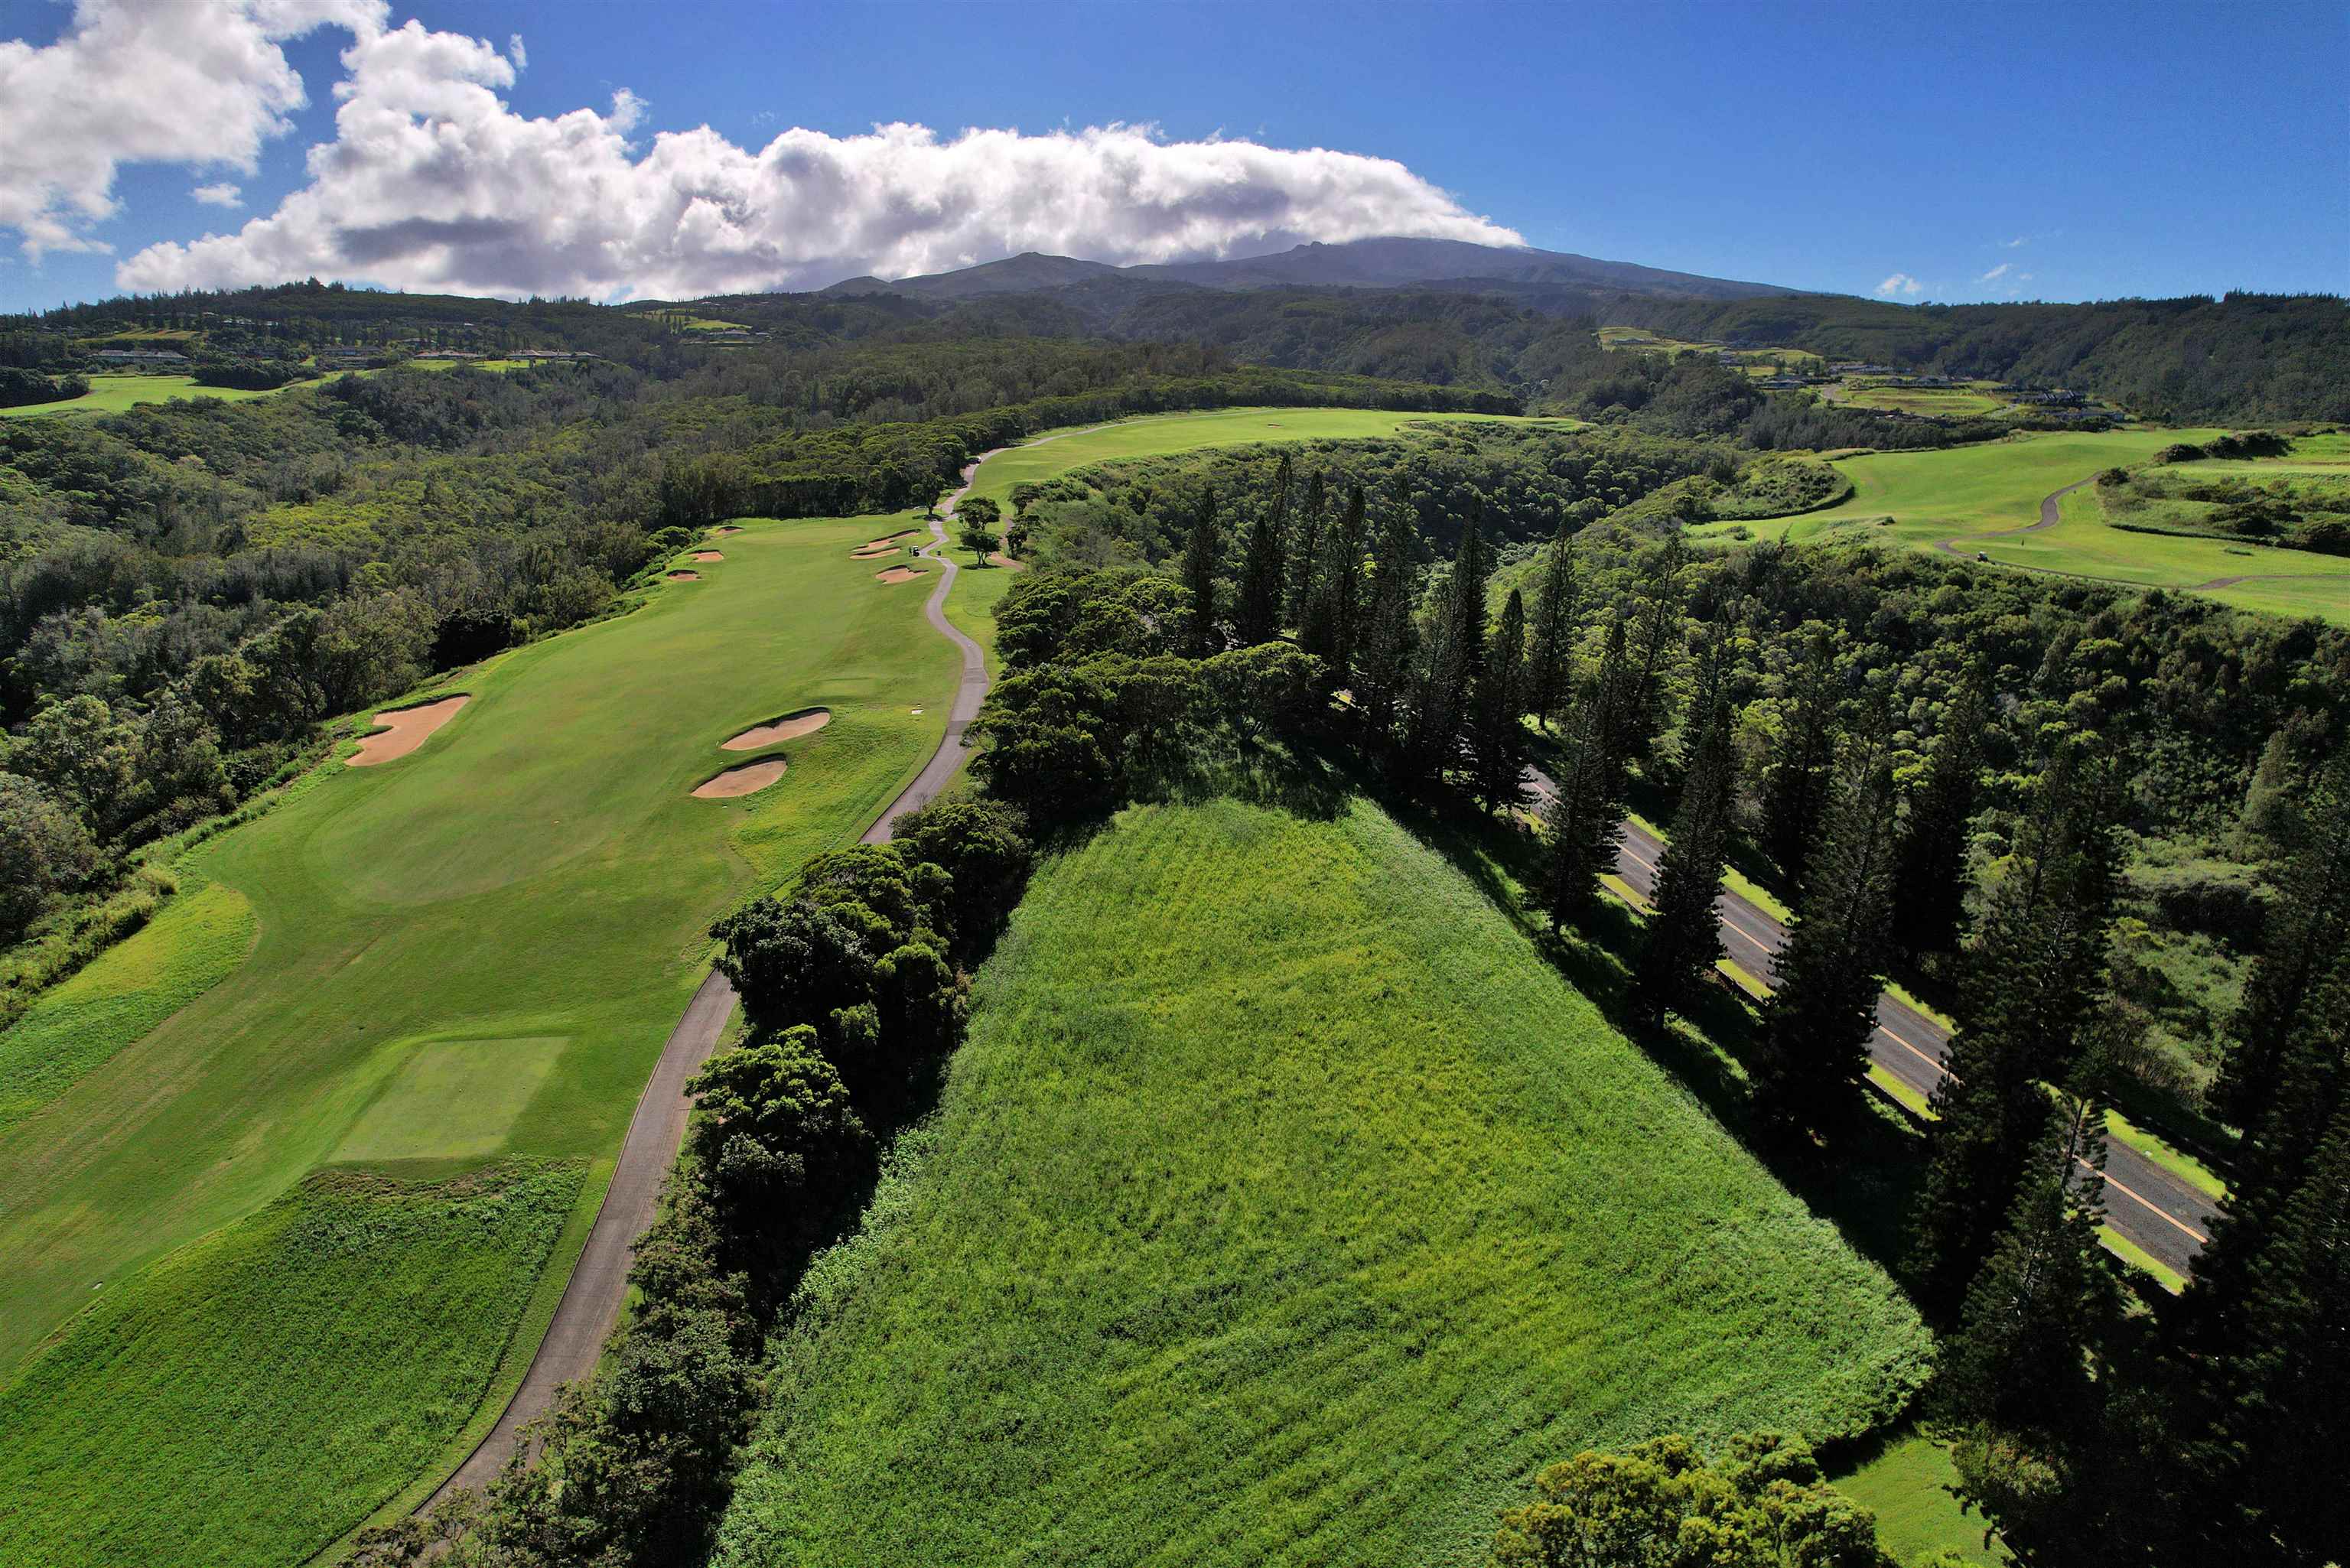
(1284,1206)
(1978,495)
(467,960)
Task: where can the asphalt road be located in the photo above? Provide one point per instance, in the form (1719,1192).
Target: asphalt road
(2164,1214)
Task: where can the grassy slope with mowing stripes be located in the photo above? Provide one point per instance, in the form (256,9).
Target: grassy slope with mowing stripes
(1286,1207)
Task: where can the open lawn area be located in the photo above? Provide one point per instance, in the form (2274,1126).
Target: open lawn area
(1157,434)
(460,962)
(1285,1206)
(1944,402)
(114,394)
(1906,1484)
(1981,499)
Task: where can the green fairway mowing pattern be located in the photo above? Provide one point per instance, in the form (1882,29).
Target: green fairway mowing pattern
(473,952)
(1285,1207)
(114,394)
(1159,434)
(200,937)
(1978,495)
(246,1377)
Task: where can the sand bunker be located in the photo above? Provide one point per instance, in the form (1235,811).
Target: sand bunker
(729,529)
(898,575)
(404,730)
(872,552)
(890,538)
(708,555)
(684,577)
(742,780)
(790,727)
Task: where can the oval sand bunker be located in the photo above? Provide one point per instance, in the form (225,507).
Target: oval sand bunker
(729,529)
(872,552)
(404,730)
(684,577)
(743,780)
(790,727)
(898,575)
(708,555)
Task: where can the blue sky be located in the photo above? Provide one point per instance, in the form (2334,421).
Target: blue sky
(1934,151)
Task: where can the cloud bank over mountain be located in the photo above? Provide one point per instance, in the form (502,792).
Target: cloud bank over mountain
(433,182)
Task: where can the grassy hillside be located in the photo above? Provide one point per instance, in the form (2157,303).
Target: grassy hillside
(470,954)
(113,394)
(1977,499)
(1285,1206)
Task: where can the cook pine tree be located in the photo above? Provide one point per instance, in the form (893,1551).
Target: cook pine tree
(2036,975)
(1257,605)
(1823,1007)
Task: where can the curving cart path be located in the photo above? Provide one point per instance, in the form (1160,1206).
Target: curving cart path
(590,1307)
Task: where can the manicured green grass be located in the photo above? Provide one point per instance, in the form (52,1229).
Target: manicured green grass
(249,1370)
(1976,497)
(1156,435)
(1947,402)
(113,394)
(1285,1206)
(1903,1485)
(201,936)
(473,952)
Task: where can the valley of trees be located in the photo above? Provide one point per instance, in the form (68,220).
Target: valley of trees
(2108,830)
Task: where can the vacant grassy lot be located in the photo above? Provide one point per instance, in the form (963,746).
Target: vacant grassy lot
(1285,1206)
(1977,498)
(249,1370)
(113,394)
(470,954)
(1906,1486)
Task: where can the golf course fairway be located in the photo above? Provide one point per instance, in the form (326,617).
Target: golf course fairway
(290,1186)
(465,964)
(1985,500)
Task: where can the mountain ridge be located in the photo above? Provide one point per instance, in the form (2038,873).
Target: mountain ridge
(1379,262)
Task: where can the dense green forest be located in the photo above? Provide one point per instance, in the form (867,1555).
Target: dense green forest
(2243,358)
(2205,709)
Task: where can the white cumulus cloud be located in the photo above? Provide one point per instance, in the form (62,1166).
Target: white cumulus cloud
(199,82)
(1899,285)
(222,195)
(1998,272)
(433,182)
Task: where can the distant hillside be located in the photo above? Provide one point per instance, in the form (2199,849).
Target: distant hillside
(1388,263)
(1356,263)
(1014,275)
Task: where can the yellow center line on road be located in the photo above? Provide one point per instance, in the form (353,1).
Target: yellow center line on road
(1929,1061)
(2126,1192)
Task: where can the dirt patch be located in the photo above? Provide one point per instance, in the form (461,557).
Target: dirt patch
(742,780)
(898,575)
(872,552)
(708,555)
(404,730)
(684,577)
(999,559)
(790,727)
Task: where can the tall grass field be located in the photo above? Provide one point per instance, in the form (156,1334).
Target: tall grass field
(1284,1206)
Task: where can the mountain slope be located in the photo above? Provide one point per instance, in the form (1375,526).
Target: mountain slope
(1356,263)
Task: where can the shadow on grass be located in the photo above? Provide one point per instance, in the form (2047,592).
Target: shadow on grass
(1861,1174)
